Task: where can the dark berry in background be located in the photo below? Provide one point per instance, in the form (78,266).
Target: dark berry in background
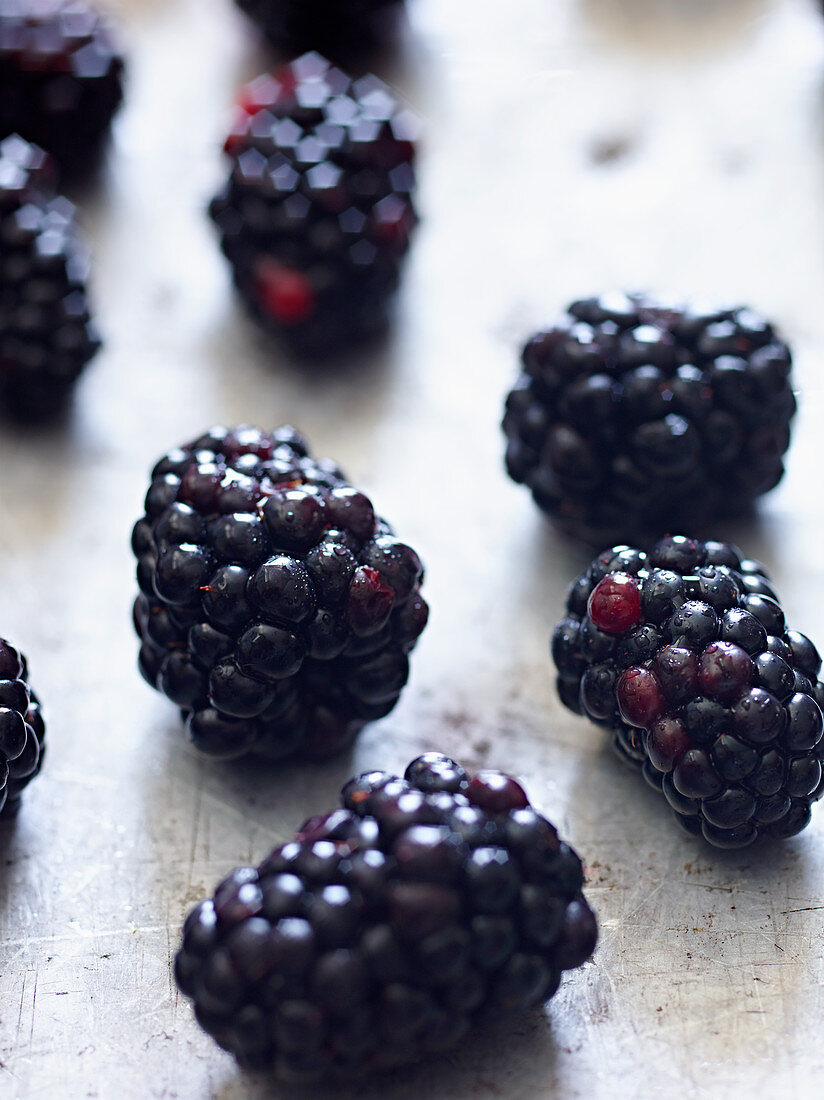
(386,929)
(684,654)
(46,332)
(276,608)
(60,77)
(22,731)
(338,28)
(316,216)
(632,417)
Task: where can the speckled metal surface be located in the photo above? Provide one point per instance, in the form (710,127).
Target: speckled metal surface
(570,146)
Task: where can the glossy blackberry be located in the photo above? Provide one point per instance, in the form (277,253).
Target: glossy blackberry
(22,731)
(701,684)
(275,608)
(338,28)
(60,77)
(316,216)
(386,929)
(631,417)
(46,333)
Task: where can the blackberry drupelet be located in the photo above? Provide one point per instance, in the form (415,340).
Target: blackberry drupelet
(60,77)
(338,28)
(684,654)
(276,608)
(386,929)
(631,417)
(46,333)
(316,216)
(22,731)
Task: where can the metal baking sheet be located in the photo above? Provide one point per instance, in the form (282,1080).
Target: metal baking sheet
(570,146)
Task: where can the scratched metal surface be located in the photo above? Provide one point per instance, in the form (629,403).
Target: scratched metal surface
(570,146)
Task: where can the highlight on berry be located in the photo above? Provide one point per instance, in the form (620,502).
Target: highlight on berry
(684,655)
(389,927)
(632,416)
(277,609)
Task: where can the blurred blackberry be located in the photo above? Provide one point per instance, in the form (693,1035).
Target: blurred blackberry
(338,28)
(386,929)
(60,77)
(22,731)
(46,334)
(276,608)
(316,215)
(683,653)
(631,417)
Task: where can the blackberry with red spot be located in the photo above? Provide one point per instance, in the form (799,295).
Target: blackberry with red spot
(22,730)
(61,77)
(338,28)
(317,214)
(701,683)
(46,332)
(276,608)
(631,416)
(386,929)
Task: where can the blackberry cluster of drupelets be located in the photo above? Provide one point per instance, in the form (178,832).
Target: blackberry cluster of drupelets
(339,28)
(60,77)
(387,928)
(316,216)
(632,417)
(46,332)
(684,654)
(22,731)
(276,608)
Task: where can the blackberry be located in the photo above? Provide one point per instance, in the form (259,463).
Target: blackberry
(339,28)
(60,77)
(276,608)
(632,417)
(46,333)
(701,684)
(316,216)
(388,928)
(22,731)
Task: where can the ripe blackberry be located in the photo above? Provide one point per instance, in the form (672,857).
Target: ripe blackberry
(683,653)
(46,334)
(22,731)
(339,28)
(631,416)
(60,77)
(276,608)
(316,215)
(386,929)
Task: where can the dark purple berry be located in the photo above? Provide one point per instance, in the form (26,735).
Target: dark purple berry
(46,332)
(316,215)
(22,729)
(271,629)
(346,28)
(627,425)
(706,693)
(372,940)
(60,78)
